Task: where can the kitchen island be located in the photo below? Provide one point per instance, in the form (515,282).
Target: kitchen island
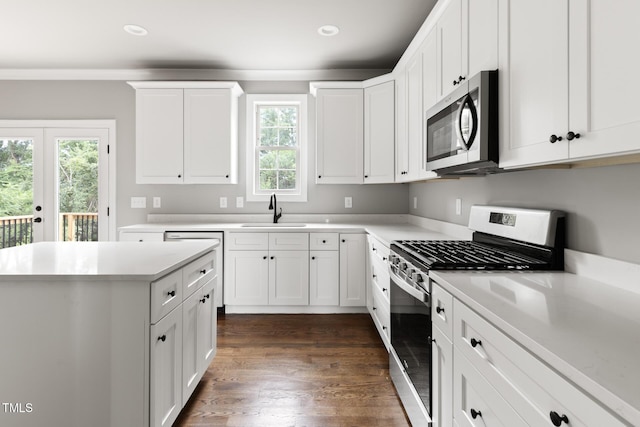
(104,333)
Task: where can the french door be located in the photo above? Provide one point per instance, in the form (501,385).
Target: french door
(56,181)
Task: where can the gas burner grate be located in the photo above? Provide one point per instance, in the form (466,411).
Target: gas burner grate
(462,254)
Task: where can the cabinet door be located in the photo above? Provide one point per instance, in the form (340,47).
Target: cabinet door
(246,278)
(339,145)
(429,71)
(324,278)
(442,379)
(449,29)
(207,326)
(402,141)
(534,81)
(159,136)
(379,133)
(604,106)
(166,369)
(480,36)
(415,117)
(353,287)
(209,140)
(288,277)
(190,369)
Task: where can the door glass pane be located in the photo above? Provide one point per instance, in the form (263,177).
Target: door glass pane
(16,191)
(77,190)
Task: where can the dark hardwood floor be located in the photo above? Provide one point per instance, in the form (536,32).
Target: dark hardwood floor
(296,370)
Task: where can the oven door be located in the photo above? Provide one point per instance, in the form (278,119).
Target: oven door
(410,356)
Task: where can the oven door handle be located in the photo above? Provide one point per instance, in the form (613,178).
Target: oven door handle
(422,296)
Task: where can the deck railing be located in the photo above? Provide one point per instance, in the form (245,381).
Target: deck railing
(72,227)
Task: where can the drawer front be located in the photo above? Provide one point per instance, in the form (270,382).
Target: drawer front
(380,314)
(380,279)
(378,250)
(197,273)
(475,402)
(531,387)
(442,310)
(289,241)
(247,241)
(166,294)
(141,237)
(323,241)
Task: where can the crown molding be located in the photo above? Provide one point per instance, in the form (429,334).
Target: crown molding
(189,74)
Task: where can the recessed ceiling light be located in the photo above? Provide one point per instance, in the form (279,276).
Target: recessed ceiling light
(328,30)
(135,30)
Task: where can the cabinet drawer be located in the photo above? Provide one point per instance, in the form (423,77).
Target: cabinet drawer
(442,310)
(531,387)
(247,241)
(380,279)
(378,250)
(197,273)
(474,396)
(323,241)
(380,313)
(141,237)
(166,294)
(289,241)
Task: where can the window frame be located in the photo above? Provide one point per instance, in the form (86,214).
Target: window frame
(253,101)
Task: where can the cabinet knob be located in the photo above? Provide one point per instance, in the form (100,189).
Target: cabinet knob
(571,136)
(171,293)
(343,240)
(324,241)
(474,342)
(366,176)
(162,338)
(273,257)
(319,176)
(264,257)
(475,414)
(179,176)
(439,310)
(207,296)
(554,138)
(384,258)
(557,419)
(226,176)
(203,271)
(374,276)
(460,79)
(455,82)
(384,328)
(313,257)
(384,289)
(203,300)
(374,308)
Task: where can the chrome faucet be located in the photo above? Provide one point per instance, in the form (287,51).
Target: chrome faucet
(273,205)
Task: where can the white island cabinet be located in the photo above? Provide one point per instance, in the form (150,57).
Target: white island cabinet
(104,334)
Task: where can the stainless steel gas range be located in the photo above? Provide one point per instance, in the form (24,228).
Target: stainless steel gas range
(503,239)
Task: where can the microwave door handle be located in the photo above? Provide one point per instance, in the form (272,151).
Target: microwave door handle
(474,119)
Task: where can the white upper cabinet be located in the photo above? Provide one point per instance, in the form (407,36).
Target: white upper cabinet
(339,135)
(603,95)
(186,132)
(566,94)
(379,133)
(402,139)
(449,28)
(534,78)
(479,36)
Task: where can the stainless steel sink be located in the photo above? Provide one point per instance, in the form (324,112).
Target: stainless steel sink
(278,225)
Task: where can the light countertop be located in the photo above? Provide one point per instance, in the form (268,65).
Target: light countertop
(587,330)
(98,260)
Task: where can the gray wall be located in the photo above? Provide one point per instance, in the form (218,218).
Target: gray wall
(116,100)
(603,204)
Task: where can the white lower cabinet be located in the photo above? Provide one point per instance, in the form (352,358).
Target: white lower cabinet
(324,278)
(289,270)
(166,369)
(378,288)
(496,381)
(182,341)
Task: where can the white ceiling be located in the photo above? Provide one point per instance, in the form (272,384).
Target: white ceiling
(207,34)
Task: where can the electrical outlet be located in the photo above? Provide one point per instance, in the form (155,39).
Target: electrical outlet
(138,202)
(240,202)
(458,206)
(157,202)
(223,202)
(415,202)
(348,202)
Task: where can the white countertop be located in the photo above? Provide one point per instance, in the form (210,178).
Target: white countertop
(98,260)
(585,329)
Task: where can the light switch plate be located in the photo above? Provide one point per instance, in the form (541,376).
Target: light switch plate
(348,202)
(458,206)
(415,202)
(157,202)
(138,202)
(223,202)
(239,202)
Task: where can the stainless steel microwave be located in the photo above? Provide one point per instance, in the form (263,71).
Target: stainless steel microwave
(462,129)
